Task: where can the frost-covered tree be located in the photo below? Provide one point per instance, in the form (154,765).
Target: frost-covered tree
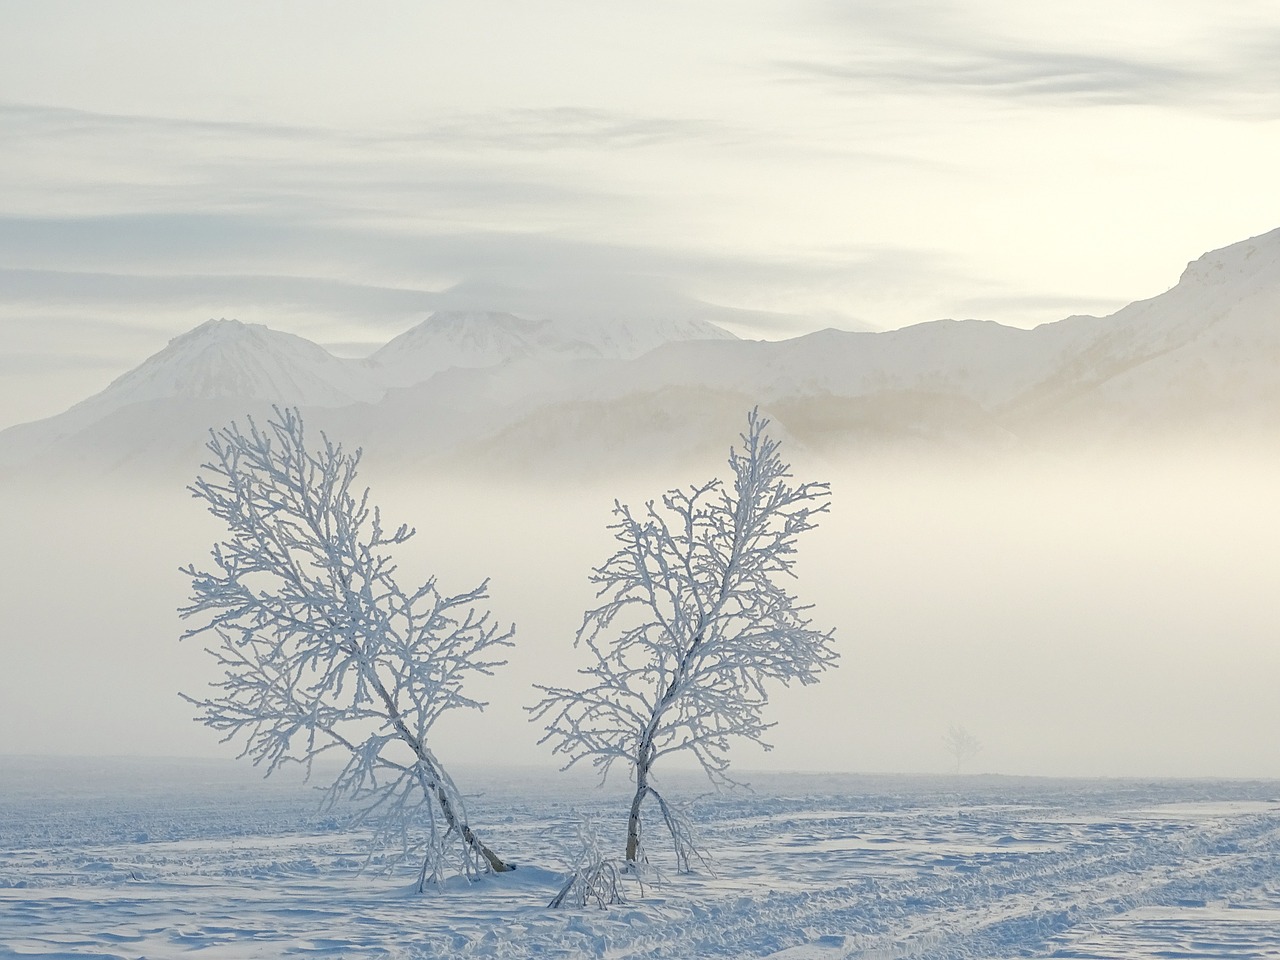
(961,744)
(595,879)
(694,623)
(322,649)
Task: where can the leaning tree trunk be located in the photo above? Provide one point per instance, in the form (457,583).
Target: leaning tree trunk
(434,780)
(496,864)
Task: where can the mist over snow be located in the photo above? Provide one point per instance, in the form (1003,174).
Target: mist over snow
(1108,618)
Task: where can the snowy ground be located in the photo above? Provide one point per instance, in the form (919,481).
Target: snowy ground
(168,859)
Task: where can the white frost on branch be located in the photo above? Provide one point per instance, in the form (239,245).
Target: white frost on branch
(321,647)
(594,879)
(694,623)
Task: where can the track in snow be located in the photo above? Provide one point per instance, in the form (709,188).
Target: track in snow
(199,863)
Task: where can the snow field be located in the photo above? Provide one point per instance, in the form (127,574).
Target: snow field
(197,860)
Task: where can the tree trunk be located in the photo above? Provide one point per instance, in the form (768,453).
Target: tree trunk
(633,820)
(496,864)
(434,782)
(428,762)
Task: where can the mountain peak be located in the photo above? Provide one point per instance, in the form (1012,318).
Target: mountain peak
(445,339)
(220,327)
(471,339)
(228,359)
(478,328)
(1237,263)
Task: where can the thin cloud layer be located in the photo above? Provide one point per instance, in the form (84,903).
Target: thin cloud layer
(67,161)
(570,128)
(1014,74)
(229,247)
(942,48)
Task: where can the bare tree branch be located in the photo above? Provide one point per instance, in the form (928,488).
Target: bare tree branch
(321,647)
(692,625)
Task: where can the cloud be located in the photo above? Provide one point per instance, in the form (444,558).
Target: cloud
(70,252)
(570,128)
(934,48)
(523,129)
(27,363)
(281,271)
(73,162)
(1016,74)
(58,287)
(40,120)
(451,142)
(541,211)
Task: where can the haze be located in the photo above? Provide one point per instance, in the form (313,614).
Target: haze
(1114,618)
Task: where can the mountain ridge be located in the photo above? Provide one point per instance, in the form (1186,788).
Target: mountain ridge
(1205,352)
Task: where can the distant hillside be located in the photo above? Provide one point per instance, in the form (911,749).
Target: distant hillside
(497,394)
(158,412)
(466,340)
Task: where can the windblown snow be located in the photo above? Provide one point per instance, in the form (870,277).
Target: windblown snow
(207,863)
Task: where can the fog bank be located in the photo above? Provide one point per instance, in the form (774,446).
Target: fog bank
(1109,619)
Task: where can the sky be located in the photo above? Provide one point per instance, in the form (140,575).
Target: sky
(339,170)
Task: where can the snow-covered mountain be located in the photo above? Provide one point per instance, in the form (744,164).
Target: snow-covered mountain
(497,391)
(454,339)
(1204,355)
(224,368)
(226,359)
(449,339)
(1207,350)
(219,364)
